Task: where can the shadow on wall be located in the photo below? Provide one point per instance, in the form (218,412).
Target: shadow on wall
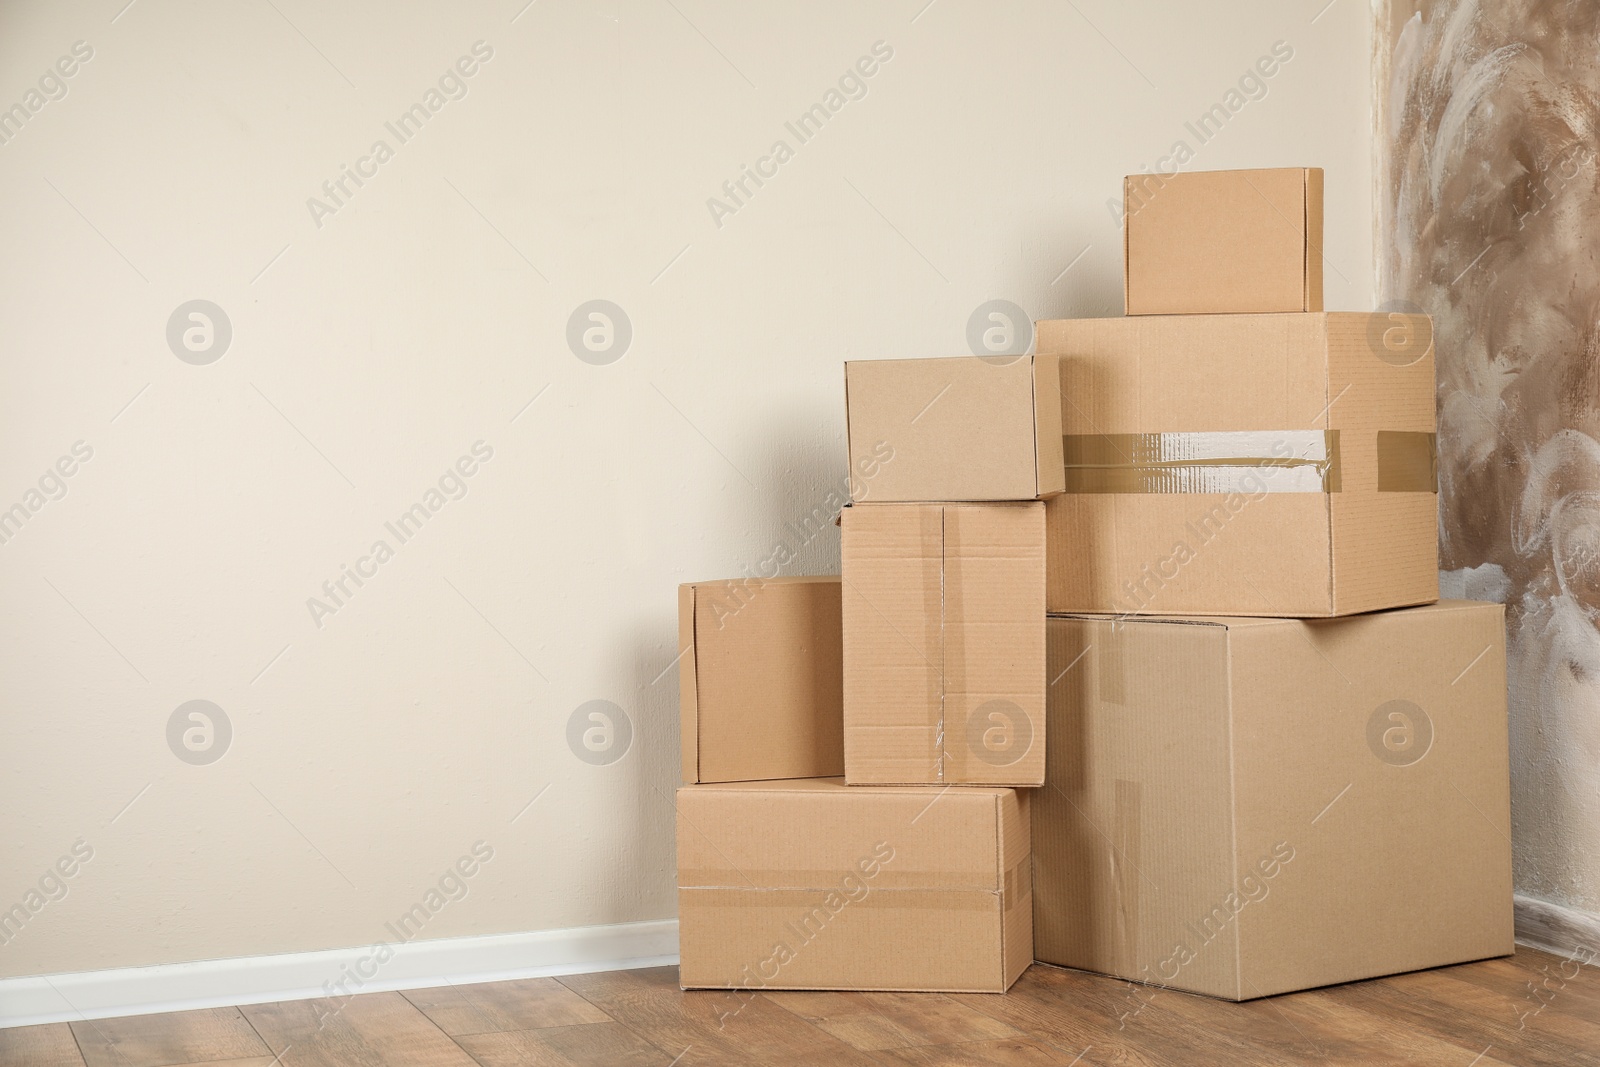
(1492,200)
(799,480)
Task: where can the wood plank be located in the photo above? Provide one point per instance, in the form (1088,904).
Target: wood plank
(51,1045)
(1562,985)
(1075,1010)
(1421,1013)
(1345,1034)
(711,1028)
(870,1021)
(168,1038)
(1476,1014)
(1010,1052)
(1302,1028)
(368,1030)
(1519,1013)
(526,1004)
(604,1044)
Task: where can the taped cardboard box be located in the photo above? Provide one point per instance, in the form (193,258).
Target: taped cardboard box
(943,608)
(1244,465)
(1243,807)
(881,889)
(1210,242)
(760,685)
(958,428)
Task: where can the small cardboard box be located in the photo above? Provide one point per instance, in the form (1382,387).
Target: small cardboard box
(943,608)
(1244,465)
(958,428)
(1227,241)
(817,885)
(1244,807)
(760,686)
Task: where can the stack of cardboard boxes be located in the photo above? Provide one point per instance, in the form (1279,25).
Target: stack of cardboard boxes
(1193,548)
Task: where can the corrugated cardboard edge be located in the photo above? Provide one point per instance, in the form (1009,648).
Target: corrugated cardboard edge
(849,449)
(688,687)
(944,641)
(1313,239)
(1050,474)
(1331,602)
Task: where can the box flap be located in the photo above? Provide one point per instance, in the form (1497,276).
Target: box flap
(959,428)
(894,663)
(994,644)
(764,692)
(1127,870)
(943,668)
(1220,242)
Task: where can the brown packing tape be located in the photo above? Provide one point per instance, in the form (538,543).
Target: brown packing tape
(821,881)
(1222,462)
(1408,462)
(1196,463)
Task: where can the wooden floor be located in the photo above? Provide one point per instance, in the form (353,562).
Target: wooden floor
(1531,1009)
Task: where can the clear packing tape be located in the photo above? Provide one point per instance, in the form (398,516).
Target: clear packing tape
(1247,461)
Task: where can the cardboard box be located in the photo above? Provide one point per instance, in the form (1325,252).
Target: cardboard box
(960,428)
(760,684)
(1243,807)
(1244,465)
(816,885)
(1209,242)
(943,609)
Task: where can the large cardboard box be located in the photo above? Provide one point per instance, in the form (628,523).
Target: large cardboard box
(818,885)
(1244,465)
(943,608)
(1243,807)
(760,685)
(958,428)
(1206,242)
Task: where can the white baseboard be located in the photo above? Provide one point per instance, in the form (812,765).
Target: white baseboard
(1553,928)
(301,975)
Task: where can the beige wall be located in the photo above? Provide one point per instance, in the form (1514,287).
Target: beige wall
(374,747)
